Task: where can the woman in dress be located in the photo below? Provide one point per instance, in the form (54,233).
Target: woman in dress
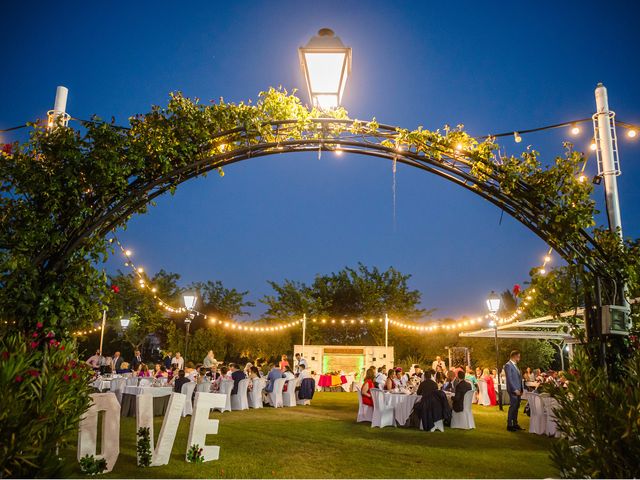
(144,370)
(284,363)
(390,383)
(368,384)
(491,391)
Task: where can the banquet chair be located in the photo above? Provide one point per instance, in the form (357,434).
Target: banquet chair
(275,396)
(255,395)
(551,426)
(117,387)
(483,398)
(382,413)
(305,393)
(289,397)
(239,400)
(464,419)
(439,425)
(144,382)
(187,389)
(365,412)
(204,387)
(225,388)
(538,420)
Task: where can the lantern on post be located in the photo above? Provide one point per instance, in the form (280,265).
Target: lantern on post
(326,65)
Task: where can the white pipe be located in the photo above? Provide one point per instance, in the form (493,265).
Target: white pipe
(60,104)
(608,160)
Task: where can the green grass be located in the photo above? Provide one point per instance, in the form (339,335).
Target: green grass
(323,440)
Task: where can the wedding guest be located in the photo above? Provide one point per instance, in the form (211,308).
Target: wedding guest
(124,368)
(368,384)
(471,378)
(288,374)
(157,372)
(284,362)
(381,378)
(116,362)
(304,373)
(273,375)
(247,368)
(137,359)
(209,360)
(167,360)
(213,373)
(143,371)
(190,371)
(462,388)
(491,390)
(180,381)
(178,361)
(438,362)
(300,361)
(448,385)
(390,383)
(224,375)
(94,360)
(515,389)
(236,376)
(428,385)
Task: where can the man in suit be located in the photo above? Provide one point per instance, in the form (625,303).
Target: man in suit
(274,374)
(137,360)
(514,389)
(179,382)
(167,360)
(116,362)
(236,376)
(462,388)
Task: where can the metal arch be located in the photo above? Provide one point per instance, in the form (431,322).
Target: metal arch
(323,137)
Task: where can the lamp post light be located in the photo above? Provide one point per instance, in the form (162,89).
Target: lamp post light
(493,305)
(124,323)
(190,300)
(326,65)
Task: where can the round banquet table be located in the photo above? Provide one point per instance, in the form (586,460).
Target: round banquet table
(402,405)
(160,395)
(102,384)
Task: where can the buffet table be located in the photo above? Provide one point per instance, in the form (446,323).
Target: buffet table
(332,381)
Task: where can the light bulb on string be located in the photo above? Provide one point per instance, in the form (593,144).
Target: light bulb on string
(631,133)
(516,137)
(575,130)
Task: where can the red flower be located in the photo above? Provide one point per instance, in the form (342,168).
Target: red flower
(61,347)
(51,335)
(39,325)
(65,378)
(34,373)
(516,289)
(5,355)
(115,289)
(35,335)
(72,363)
(52,341)
(75,375)
(18,378)
(34,344)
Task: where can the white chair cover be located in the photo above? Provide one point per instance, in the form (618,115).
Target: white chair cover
(239,400)
(464,419)
(439,425)
(550,404)
(365,412)
(204,387)
(117,387)
(144,382)
(255,395)
(275,397)
(225,388)
(382,413)
(483,398)
(538,421)
(187,389)
(289,397)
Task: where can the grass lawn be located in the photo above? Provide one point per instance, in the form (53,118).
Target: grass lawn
(323,440)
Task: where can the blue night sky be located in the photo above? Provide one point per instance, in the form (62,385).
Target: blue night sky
(496,67)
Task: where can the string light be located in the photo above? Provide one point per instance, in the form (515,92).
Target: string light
(517,137)
(632,133)
(86,332)
(575,130)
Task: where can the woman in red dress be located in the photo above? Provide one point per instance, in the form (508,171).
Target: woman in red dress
(368,384)
(491,390)
(284,363)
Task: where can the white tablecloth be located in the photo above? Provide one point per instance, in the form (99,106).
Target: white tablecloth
(154,391)
(101,384)
(402,405)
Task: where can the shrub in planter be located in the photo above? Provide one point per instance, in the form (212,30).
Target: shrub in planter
(44,391)
(599,419)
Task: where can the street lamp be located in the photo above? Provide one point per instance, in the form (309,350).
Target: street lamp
(493,305)
(190,300)
(124,323)
(326,64)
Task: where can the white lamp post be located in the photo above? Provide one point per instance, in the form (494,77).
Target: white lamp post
(190,299)
(493,305)
(326,64)
(124,323)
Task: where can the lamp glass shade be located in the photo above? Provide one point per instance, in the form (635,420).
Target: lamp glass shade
(493,303)
(326,64)
(124,322)
(189,300)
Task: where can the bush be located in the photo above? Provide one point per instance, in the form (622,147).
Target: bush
(599,419)
(44,392)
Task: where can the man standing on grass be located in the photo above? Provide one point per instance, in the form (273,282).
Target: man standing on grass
(515,389)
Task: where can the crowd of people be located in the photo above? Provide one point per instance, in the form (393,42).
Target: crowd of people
(173,371)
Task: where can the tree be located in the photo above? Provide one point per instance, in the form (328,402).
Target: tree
(362,295)
(221,302)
